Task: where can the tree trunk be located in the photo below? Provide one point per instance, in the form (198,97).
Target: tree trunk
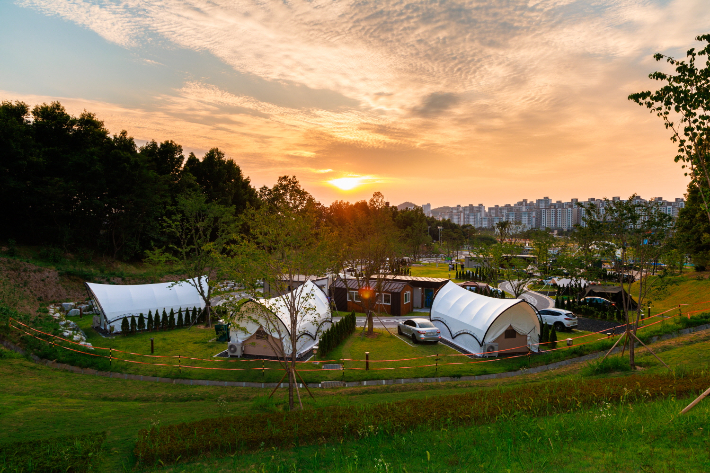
(370,323)
(291,385)
(208,314)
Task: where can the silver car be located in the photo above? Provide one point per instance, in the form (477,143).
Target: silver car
(419,330)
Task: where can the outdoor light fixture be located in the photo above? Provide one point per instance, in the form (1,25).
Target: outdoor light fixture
(366,292)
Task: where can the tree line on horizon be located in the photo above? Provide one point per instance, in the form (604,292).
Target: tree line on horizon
(67,183)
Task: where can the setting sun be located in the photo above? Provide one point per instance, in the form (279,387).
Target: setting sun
(346,183)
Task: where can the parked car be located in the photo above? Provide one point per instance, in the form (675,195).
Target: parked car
(559,318)
(420,330)
(598,300)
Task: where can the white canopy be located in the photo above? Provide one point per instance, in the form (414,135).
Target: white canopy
(114,302)
(470,320)
(313,312)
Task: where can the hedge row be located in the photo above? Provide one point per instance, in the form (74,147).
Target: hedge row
(247,433)
(74,453)
(167,321)
(337,332)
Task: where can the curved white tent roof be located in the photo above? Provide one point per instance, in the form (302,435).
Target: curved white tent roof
(118,301)
(470,320)
(314,310)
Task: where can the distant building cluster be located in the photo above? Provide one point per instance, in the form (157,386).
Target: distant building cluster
(540,213)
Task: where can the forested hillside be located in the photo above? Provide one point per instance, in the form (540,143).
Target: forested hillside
(65,181)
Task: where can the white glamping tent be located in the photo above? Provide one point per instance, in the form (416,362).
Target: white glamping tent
(485,325)
(115,302)
(261,324)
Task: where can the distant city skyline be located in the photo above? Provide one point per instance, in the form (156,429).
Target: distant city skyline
(534,213)
(439,100)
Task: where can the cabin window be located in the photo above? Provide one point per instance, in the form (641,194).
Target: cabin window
(384,299)
(407,297)
(353,296)
(510,333)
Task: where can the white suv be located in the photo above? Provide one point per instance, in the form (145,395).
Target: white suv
(559,318)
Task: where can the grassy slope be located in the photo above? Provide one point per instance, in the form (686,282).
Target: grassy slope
(430,270)
(37,402)
(690,288)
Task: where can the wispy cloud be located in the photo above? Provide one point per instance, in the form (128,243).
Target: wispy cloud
(479,91)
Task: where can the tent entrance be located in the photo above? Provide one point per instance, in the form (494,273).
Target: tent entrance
(260,343)
(511,338)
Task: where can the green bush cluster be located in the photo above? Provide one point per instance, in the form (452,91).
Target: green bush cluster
(548,335)
(227,435)
(478,274)
(160,322)
(337,332)
(74,453)
(590,309)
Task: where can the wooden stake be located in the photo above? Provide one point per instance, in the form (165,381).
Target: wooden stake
(652,353)
(626,339)
(692,404)
(277,384)
(304,383)
(612,348)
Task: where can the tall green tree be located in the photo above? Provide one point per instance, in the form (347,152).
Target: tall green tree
(683,103)
(200,231)
(631,234)
(369,241)
(287,240)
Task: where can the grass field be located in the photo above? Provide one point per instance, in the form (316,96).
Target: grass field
(430,270)
(37,402)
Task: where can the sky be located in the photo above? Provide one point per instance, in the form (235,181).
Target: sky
(441,102)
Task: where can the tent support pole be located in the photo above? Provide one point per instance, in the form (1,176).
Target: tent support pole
(277,384)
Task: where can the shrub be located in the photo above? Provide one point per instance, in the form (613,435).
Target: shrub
(553,338)
(134,326)
(57,454)
(227,435)
(51,255)
(171,319)
(180,321)
(141,322)
(150,321)
(608,365)
(164,320)
(125,327)
(336,333)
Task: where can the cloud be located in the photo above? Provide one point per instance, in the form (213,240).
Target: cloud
(436,104)
(475,92)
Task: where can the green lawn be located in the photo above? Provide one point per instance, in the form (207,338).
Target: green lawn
(430,270)
(37,402)
(432,360)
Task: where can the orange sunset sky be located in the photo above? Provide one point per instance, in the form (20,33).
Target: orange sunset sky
(445,102)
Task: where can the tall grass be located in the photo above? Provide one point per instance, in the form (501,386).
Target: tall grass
(338,423)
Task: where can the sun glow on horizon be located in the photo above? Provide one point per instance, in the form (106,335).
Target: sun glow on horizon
(346,183)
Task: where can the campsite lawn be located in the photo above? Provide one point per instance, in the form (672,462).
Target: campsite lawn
(38,402)
(412,360)
(430,270)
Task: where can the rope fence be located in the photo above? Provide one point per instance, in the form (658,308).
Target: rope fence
(61,342)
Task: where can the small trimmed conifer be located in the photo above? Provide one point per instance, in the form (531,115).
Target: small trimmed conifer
(134,325)
(150,321)
(125,327)
(180,321)
(141,322)
(553,337)
(171,319)
(164,320)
